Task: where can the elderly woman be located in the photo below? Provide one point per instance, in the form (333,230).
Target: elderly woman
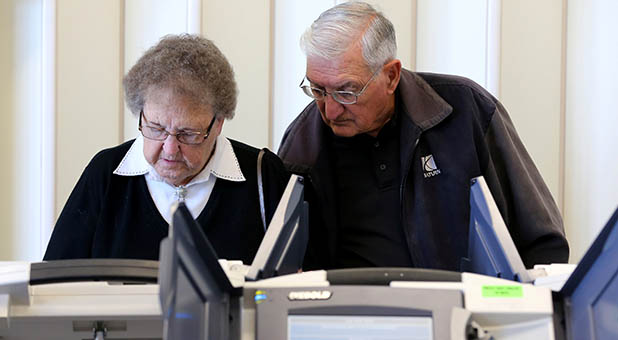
(181,90)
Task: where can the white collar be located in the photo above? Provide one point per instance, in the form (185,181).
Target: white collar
(223,163)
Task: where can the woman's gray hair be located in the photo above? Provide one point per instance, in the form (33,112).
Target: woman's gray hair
(340,27)
(191,66)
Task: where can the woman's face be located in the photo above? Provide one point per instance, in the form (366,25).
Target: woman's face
(176,162)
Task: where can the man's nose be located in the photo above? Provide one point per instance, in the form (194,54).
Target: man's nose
(332,109)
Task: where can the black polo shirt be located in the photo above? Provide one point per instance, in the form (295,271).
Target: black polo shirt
(367,184)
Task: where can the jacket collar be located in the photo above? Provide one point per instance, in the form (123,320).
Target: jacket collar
(421,102)
(223,163)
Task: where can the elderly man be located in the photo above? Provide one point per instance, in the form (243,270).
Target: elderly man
(181,90)
(390,153)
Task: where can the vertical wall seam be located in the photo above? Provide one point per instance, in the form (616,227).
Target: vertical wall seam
(193,17)
(493,44)
(200,16)
(42,227)
(487,46)
(414,28)
(48,122)
(121,69)
(271,76)
(563,99)
(500,60)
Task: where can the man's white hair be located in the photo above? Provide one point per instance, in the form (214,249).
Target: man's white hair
(338,28)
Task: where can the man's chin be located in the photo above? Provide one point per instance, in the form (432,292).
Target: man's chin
(343,131)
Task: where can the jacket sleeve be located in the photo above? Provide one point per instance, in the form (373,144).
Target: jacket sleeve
(524,200)
(73,233)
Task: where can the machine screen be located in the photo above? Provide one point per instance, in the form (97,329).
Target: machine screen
(187,321)
(356,327)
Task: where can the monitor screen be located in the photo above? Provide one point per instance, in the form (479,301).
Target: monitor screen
(591,292)
(491,250)
(359,312)
(282,250)
(187,314)
(354,327)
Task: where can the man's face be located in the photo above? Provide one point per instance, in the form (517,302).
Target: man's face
(349,73)
(178,163)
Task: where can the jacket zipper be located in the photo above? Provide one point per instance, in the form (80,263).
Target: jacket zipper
(405,175)
(406,232)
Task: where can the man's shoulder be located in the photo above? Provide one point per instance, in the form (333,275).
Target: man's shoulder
(439,80)
(448,85)
(302,140)
(307,122)
(460,93)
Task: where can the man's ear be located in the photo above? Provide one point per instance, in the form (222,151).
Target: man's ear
(393,72)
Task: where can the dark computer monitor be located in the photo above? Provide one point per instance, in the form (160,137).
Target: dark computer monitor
(197,298)
(591,292)
(491,250)
(195,293)
(283,248)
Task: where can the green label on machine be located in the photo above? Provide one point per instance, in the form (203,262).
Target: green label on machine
(503,291)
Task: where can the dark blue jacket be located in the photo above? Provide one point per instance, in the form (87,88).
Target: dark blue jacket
(467,133)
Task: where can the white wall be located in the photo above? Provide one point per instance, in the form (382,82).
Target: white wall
(452,38)
(512,48)
(145,22)
(291,20)
(531,79)
(402,13)
(515,48)
(242,30)
(591,162)
(20,128)
(89,104)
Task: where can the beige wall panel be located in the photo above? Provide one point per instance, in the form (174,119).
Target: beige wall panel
(7,104)
(242,30)
(89,107)
(531,80)
(7,122)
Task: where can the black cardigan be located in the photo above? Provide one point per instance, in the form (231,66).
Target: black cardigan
(112,216)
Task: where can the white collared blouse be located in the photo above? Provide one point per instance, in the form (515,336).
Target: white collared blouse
(195,194)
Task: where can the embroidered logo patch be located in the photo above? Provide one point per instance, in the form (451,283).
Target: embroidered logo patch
(430,168)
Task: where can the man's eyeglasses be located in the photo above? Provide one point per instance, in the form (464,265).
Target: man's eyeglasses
(184,137)
(341,97)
